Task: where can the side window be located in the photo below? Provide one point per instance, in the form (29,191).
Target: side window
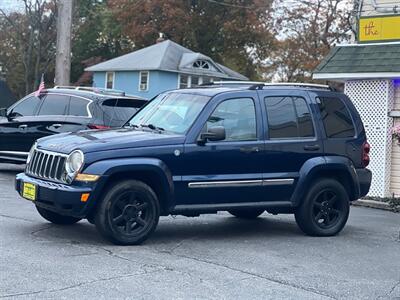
(288,117)
(336,118)
(109,80)
(238,117)
(26,108)
(78,107)
(144,81)
(54,105)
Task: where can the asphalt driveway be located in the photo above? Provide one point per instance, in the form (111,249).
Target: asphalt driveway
(210,257)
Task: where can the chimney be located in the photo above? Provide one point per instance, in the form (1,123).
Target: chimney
(160,38)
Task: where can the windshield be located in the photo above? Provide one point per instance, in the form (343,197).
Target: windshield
(173,112)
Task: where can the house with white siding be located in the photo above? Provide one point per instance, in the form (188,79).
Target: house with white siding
(370,70)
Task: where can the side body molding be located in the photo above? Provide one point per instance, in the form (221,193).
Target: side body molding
(107,168)
(317,165)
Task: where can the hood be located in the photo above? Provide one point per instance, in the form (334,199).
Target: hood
(102,140)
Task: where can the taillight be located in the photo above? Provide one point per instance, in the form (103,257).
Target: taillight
(366,148)
(94,126)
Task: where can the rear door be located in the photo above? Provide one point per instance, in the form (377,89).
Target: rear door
(14,130)
(292,138)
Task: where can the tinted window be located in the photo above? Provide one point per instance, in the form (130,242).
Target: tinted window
(238,117)
(336,118)
(288,117)
(78,107)
(120,110)
(26,107)
(54,105)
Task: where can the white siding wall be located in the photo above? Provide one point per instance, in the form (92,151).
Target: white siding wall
(395,169)
(368,9)
(374,100)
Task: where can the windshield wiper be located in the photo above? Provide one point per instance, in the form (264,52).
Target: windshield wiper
(152,127)
(131,126)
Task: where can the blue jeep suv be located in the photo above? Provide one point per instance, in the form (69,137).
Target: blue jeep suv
(239,147)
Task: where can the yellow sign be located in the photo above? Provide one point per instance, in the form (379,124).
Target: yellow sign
(29,191)
(384,28)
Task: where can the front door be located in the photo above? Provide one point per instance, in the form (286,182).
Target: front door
(226,171)
(291,140)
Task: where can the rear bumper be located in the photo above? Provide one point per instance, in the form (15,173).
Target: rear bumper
(57,197)
(364,181)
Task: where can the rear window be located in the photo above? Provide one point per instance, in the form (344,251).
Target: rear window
(288,117)
(54,105)
(335,117)
(120,110)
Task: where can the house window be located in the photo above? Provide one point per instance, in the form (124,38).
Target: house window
(144,81)
(201,64)
(195,81)
(109,80)
(184,81)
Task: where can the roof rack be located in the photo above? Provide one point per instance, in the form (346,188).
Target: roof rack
(258,85)
(92,89)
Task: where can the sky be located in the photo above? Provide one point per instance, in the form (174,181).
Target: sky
(10,5)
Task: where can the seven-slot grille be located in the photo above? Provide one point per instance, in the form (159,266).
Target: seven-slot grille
(47,165)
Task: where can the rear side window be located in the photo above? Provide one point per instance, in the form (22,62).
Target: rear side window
(288,117)
(120,110)
(78,107)
(335,117)
(54,105)
(26,108)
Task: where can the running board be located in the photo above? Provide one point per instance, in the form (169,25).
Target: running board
(209,208)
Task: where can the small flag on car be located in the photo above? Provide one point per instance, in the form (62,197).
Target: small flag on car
(41,87)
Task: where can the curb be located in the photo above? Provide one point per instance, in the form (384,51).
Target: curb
(372,204)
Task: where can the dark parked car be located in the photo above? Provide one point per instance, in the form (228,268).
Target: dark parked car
(58,110)
(242,148)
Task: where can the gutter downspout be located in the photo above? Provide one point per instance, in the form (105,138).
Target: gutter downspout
(384,8)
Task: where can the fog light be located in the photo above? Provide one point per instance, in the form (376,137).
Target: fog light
(84,197)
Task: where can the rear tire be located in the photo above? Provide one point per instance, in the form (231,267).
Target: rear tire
(325,209)
(246,213)
(128,213)
(56,218)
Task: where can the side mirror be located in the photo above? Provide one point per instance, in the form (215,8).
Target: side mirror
(213,134)
(3,112)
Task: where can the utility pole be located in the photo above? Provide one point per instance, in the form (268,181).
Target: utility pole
(63,53)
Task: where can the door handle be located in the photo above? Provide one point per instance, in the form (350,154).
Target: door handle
(311,147)
(56,126)
(23,126)
(249,149)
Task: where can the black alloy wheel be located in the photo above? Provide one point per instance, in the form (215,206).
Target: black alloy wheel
(325,209)
(128,213)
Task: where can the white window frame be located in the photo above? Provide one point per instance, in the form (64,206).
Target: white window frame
(147,82)
(113,80)
(189,83)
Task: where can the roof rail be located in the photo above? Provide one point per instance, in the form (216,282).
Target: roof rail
(254,85)
(92,89)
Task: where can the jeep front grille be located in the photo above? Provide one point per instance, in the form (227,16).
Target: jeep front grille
(47,165)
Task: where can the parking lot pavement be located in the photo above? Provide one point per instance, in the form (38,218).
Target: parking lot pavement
(210,257)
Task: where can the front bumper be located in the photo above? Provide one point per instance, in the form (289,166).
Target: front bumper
(57,197)
(364,181)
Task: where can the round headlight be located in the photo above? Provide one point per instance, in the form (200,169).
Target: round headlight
(30,154)
(74,162)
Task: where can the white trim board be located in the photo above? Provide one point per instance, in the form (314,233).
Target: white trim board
(342,76)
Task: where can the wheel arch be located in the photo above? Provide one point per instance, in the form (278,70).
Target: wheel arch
(151,171)
(334,167)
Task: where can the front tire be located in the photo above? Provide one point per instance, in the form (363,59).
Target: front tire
(325,209)
(56,218)
(246,213)
(128,214)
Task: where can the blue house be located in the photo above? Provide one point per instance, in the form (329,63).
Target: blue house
(157,68)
